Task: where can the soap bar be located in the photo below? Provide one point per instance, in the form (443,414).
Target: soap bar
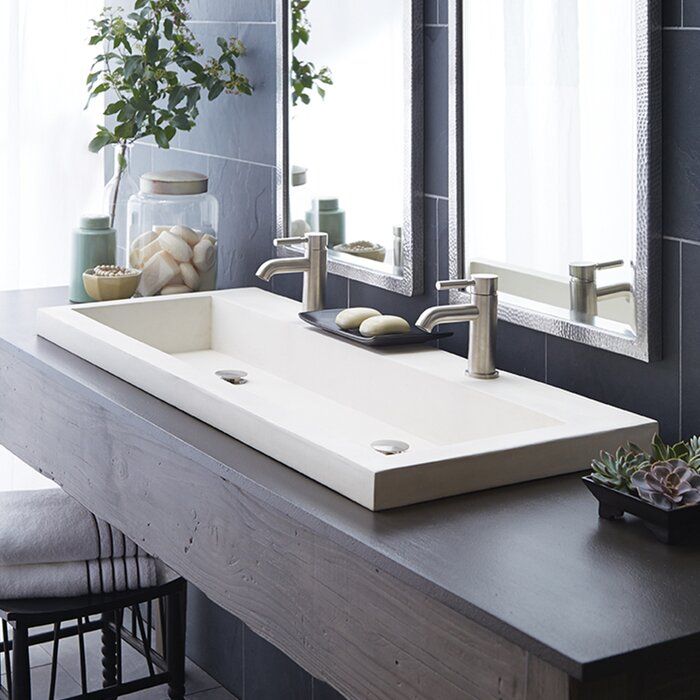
(158,272)
(175,289)
(190,236)
(190,276)
(351,319)
(204,255)
(383,325)
(139,257)
(176,246)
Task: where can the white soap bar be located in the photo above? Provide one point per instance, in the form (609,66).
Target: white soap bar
(190,236)
(190,276)
(143,240)
(175,246)
(157,230)
(351,319)
(204,257)
(158,273)
(384,325)
(143,255)
(175,289)
(210,238)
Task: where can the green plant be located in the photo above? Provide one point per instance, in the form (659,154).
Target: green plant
(304,73)
(155,73)
(688,451)
(616,470)
(667,475)
(668,484)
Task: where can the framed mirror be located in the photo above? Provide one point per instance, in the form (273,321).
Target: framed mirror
(555,164)
(350,135)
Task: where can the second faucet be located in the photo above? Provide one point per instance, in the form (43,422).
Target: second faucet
(482,317)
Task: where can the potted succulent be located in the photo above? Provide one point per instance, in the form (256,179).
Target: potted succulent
(661,486)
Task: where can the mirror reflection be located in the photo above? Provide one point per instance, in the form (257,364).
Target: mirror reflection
(550,193)
(347,127)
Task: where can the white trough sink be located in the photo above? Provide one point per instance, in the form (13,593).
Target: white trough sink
(317,403)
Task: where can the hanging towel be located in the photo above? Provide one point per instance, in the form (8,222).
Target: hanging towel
(47,526)
(77,578)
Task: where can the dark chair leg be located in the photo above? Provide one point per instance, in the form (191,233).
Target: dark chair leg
(21,680)
(175,611)
(109,652)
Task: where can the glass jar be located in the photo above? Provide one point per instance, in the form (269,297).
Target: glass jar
(172,233)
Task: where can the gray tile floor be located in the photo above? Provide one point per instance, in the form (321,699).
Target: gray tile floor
(199,685)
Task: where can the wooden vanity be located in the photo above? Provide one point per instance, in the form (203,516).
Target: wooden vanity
(514,593)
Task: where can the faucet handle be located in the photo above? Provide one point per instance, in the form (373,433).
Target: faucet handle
(454,284)
(290,240)
(315,240)
(585,270)
(483,283)
(609,264)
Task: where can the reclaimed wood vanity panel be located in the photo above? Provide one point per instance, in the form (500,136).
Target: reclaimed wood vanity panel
(343,619)
(379,605)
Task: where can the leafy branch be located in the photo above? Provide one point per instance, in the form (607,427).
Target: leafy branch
(155,73)
(304,73)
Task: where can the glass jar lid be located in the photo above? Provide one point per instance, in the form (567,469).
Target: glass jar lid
(174,182)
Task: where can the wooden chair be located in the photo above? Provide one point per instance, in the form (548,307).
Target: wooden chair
(110,610)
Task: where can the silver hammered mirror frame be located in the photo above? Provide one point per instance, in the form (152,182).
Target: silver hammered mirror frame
(408,278)
(645,344)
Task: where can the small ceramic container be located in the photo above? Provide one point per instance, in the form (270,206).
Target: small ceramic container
(110,288)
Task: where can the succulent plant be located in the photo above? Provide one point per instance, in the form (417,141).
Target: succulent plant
(667,484)
(616,470)
(688,451)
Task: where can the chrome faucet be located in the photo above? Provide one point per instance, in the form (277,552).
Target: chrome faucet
(584,291)
(482,316)
(313,265)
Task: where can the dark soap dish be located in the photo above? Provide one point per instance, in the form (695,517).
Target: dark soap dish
(325,320)
(669,526)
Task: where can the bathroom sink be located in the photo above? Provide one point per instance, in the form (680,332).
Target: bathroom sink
(319,404)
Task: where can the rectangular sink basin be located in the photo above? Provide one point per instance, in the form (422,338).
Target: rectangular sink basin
(318,403)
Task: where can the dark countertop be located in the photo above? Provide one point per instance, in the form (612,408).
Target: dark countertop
(531,562)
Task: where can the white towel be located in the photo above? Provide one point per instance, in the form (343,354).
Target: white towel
(42,527)
(76,578)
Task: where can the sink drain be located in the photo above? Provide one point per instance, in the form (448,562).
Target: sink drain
(232,376)
(389,447)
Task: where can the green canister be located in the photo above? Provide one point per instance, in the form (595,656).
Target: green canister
(326,216)
(93,243)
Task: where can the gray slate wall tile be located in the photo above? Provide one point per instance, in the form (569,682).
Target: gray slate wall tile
(323,691)
(430,12)
(672,13)
(691,13)
(215,641)
(690,341)
(239,126)
(270,675)
(681,134)
(246,225)
(436,107)
(233,10)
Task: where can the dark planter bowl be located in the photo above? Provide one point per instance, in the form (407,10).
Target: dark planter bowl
(669,526)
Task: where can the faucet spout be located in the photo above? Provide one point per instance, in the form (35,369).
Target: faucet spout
(452,313)
(481,316)
(278,266)
(314,265)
